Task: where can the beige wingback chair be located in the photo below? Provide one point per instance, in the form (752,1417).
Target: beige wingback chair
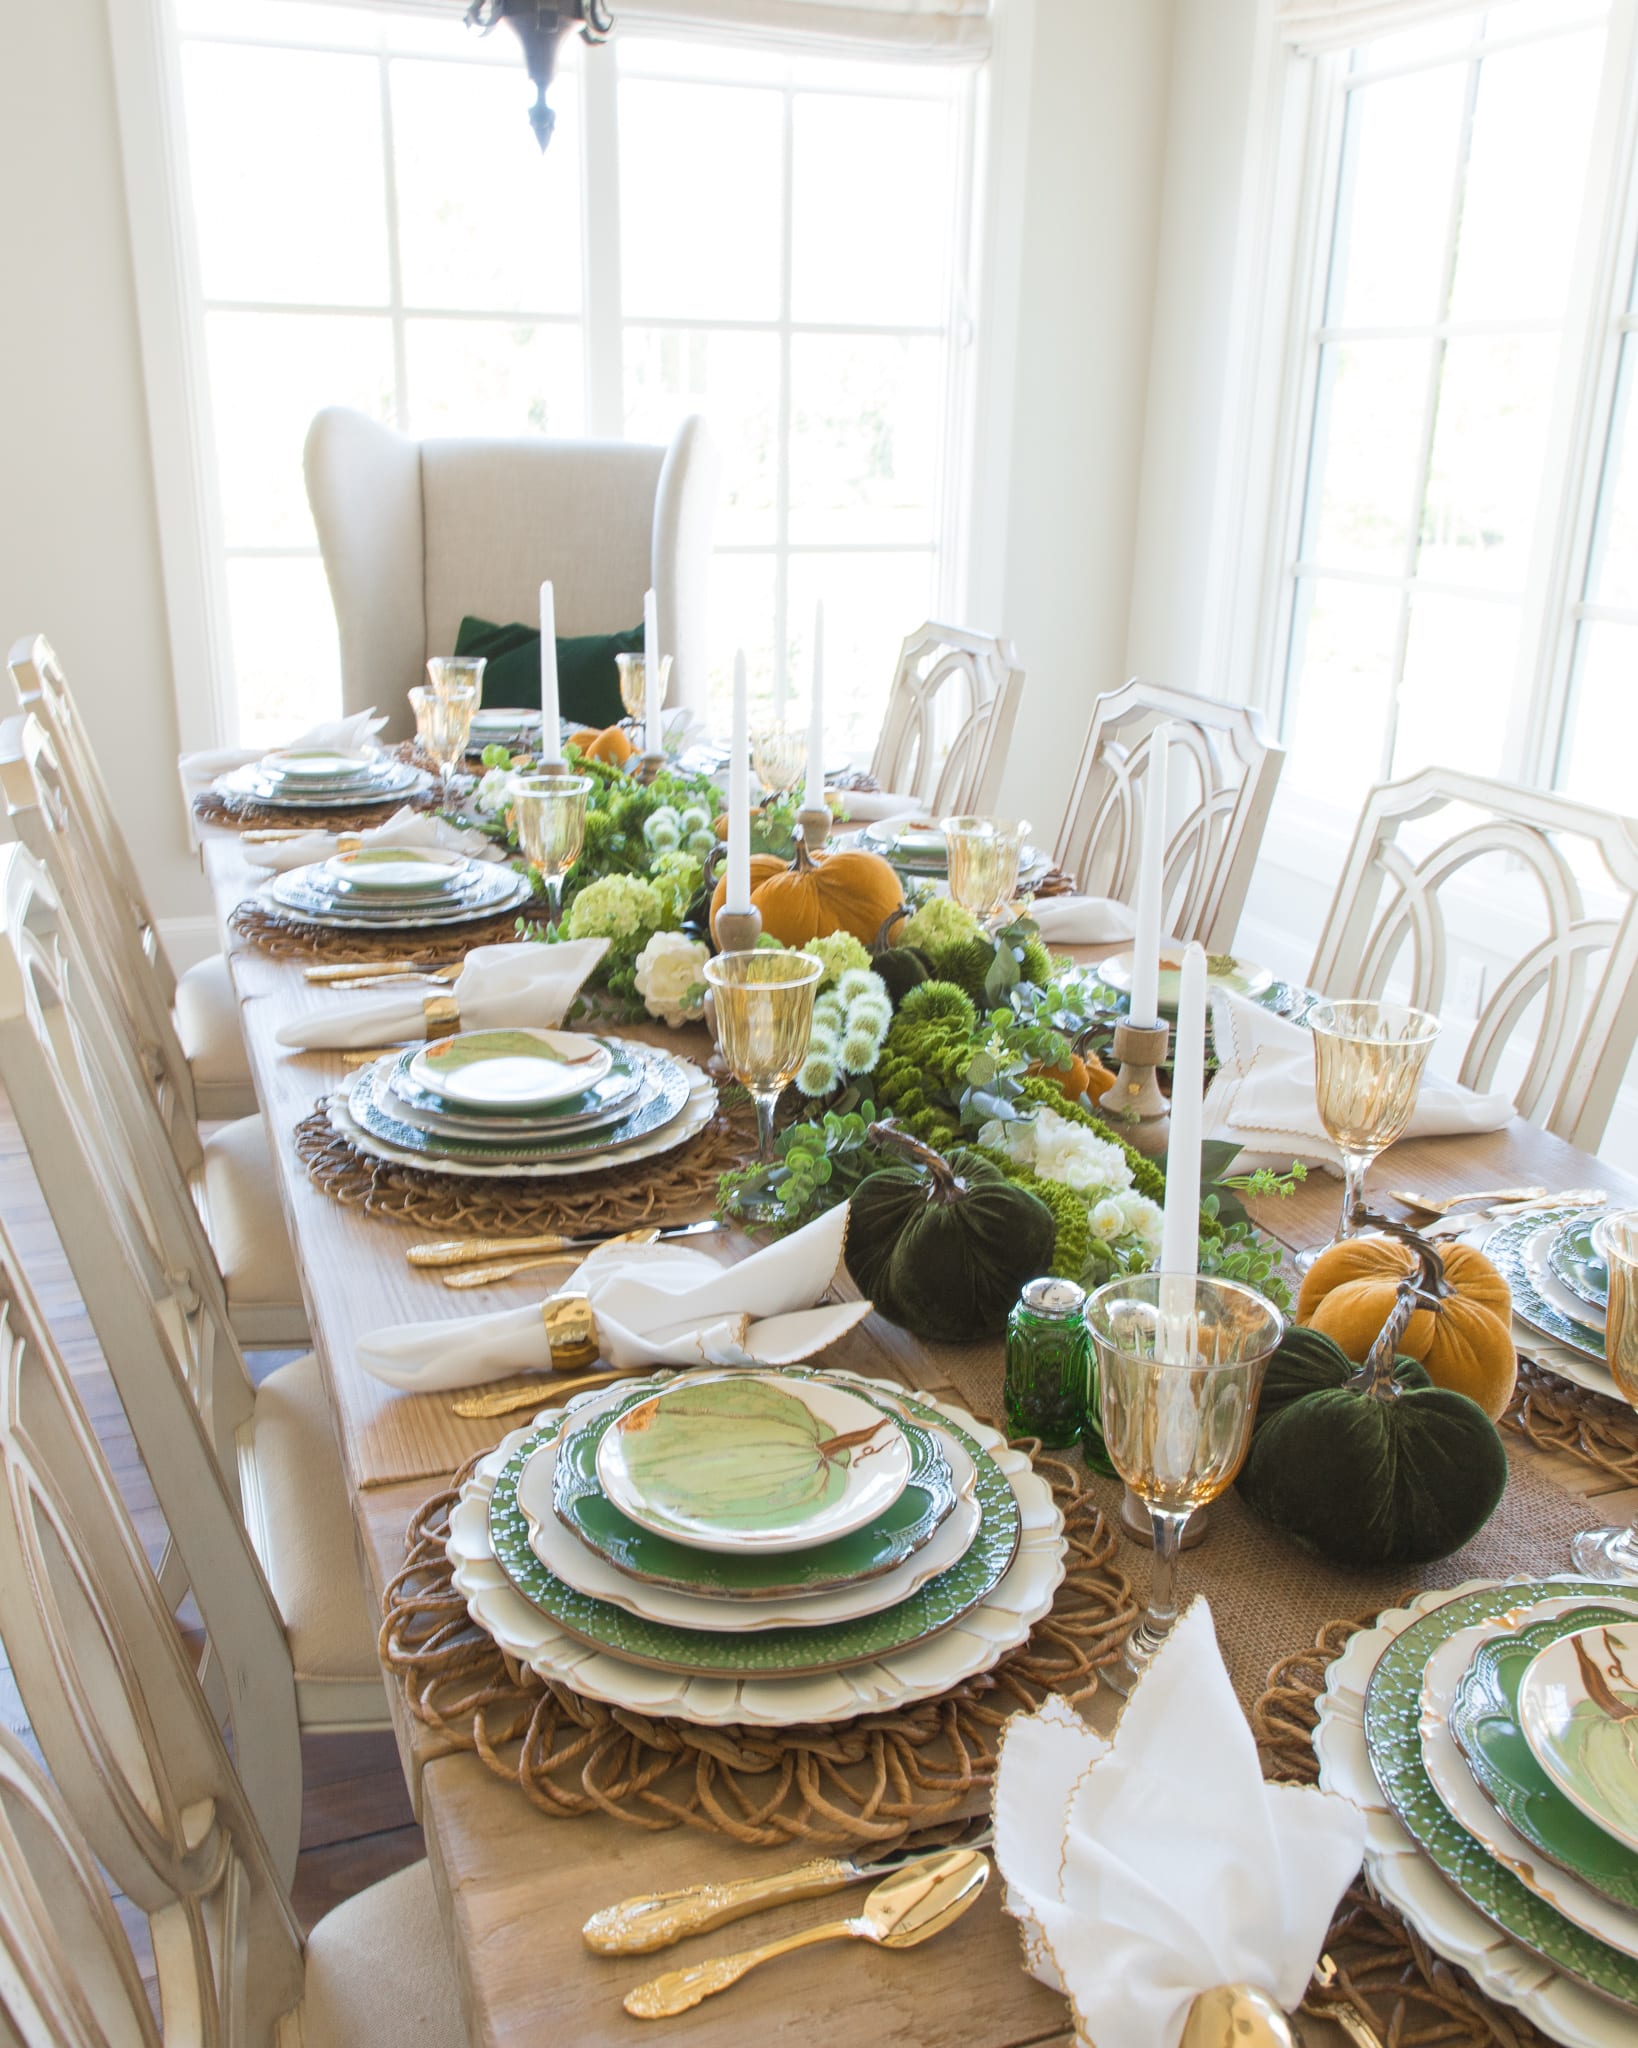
(416,534)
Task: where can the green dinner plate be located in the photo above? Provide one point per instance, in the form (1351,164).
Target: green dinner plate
(897,1533)
(607,1094)
(770,1653)
(1507,1248)
(1577,1262)
(1484,1720)
(1393,1707)
(367,1104)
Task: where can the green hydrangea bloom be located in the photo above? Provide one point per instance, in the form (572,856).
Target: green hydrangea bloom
(939,923)
(839,953)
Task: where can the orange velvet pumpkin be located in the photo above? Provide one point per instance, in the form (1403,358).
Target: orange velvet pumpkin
(808,899)
(1465,1343)
(612,746)
(1083,1076)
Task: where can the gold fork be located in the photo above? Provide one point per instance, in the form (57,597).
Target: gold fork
(375,970)
(1340,2008)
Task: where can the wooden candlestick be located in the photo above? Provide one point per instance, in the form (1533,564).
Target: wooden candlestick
(1135,1102)
(737,931)
(644,767)
(814,827)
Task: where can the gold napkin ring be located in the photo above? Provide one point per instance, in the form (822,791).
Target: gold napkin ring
(441,1014)
(1236,2016)
(571,1331)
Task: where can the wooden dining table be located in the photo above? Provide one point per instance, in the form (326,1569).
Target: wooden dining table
(514,1884)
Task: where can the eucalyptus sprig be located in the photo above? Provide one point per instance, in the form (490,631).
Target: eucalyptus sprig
(816,1166)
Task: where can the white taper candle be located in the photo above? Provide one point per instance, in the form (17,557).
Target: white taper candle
(739,796)
(1180,1240)
(654,738)
(814,796)
(1145,1007)
(551,739)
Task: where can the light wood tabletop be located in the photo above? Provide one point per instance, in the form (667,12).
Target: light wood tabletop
(515,1884)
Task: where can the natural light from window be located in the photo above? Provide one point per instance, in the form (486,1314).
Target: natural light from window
(376,228)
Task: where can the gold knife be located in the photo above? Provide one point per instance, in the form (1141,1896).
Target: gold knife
(636,1927)
(508,1269)
(465,1251)
(546,1390)
(372,970)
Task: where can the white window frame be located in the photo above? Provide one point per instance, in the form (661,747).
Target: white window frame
(171,309)
(1293,207)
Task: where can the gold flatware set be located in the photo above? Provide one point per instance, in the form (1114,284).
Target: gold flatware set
(486,1261)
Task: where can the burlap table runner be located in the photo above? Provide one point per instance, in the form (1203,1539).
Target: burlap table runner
(871,1781)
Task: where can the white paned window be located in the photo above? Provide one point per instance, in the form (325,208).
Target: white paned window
(1441,351)
(773,238)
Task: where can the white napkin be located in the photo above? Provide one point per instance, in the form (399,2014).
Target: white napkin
(871,806)
(351,735)
(403,828)
(657,1304)
(498,987)
(1147,1870)
(1083,920)
(1263,1093)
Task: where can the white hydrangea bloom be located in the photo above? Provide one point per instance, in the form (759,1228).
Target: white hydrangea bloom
(492,794)
(670,976)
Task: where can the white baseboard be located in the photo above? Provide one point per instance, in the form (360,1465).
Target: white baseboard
(188,940)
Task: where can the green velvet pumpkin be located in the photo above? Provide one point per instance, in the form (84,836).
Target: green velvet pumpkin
(942,1246)
(1368,1467)
(901,968)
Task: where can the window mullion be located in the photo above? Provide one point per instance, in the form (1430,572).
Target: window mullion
(782,457)
(395,264)
(603,309)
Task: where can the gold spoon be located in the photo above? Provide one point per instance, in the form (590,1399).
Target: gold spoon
(546,1390)
(1340,2010)
(909,1907)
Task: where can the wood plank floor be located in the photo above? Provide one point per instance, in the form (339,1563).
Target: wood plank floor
(357,1825)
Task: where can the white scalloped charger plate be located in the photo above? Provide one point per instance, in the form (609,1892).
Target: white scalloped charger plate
(1408,1879)
(976,1642)
(696,1113)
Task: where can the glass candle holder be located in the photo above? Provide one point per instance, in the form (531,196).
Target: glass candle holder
(1612,1553)
(634,684)
(1368,1062)
(983,856)
(1180,1366)
(764,1011)
(443,725)
(549,811)
(779,758)
(454,671)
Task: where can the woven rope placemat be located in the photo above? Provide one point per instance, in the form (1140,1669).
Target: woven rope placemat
(283,938)
(212,807)
(675,1187)
(871,1781)
(1415,1997)
(1555,1415)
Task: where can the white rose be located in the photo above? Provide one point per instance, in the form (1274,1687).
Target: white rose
(670,976)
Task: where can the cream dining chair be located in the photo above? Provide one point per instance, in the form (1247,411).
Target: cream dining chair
(949,718)
(188,1022)
(1221,771)
(139,1255)
(227,1168)
(1558,897)
(144,1786)
(418,534)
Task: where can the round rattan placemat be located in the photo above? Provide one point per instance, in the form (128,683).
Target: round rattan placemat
(288,938)
(1555,1416)
(871,1781)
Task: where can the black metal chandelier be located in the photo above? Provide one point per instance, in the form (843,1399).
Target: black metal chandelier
(541,25)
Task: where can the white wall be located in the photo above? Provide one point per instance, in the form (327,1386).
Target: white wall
(1081,106)
(79,544)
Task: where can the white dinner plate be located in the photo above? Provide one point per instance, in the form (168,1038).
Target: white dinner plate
(753,1461)
(399,870)
(319,764)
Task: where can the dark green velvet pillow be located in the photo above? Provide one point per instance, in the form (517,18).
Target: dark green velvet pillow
(588,683)
(1401,1472)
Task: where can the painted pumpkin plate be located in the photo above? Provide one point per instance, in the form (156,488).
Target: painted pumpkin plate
(515,1069)
(1485,1722)
(319,764)
(753,1461)
(1578,1707)
(941,1473)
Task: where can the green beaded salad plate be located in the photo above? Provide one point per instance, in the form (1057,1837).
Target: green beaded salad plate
(880,1546)
(1579,1264)
(1484,1719)
(1393,1708)
(771,1653)
(1508,1248)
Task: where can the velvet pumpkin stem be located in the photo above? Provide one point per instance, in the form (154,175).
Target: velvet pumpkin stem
(944,1184)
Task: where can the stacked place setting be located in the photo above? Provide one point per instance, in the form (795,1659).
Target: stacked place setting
(770,1546)
(397,888)
(917,849)
(1500,1723)
(322,779)
(1560,1284)
(523,1102)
